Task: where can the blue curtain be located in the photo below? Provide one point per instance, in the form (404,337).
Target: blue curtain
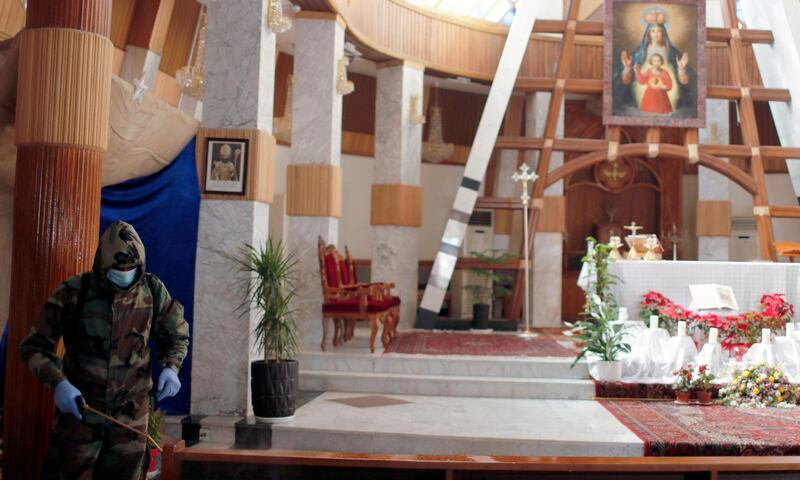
(164,209)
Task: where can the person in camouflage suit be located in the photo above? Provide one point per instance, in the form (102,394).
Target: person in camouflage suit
(106,328)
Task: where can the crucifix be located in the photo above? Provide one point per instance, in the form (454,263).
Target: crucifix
(524,176)
(632,253)
(633,228)
(675,239)
(613,173)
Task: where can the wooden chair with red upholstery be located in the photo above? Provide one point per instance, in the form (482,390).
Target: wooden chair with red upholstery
(389,328)
(346,301)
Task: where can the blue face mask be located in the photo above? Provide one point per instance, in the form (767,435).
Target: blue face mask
(121,278)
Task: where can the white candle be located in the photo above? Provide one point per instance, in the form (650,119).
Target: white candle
(713,335)
(623,314)
(790,330)
(766,336)
(682,328)
(653,322)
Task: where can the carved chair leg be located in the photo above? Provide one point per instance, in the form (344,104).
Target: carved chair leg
(350,330)
(337,332)
(386,322)
(395,320)
(326,330)
(373,327)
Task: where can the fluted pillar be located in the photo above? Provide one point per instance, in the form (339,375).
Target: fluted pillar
(61,129)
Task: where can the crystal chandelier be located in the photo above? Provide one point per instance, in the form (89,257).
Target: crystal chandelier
(435,150)
(282,126)
(191,77)
(276,20)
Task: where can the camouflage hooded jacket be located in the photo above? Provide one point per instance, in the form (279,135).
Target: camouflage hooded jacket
(106,354)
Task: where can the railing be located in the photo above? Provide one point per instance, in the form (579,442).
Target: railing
(268,463)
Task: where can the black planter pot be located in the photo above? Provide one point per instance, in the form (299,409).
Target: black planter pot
(480,316)
(274,388)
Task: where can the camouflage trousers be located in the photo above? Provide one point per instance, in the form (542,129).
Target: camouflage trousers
(94,448)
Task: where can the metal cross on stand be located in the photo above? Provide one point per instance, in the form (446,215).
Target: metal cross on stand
(525,176)
(675,239)
(633,228)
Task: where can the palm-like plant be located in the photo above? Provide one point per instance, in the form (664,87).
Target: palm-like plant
(270,292)
(492,283)
(597,334)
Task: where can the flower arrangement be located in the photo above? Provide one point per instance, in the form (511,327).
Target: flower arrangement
(683,379)
(760,386)
(703,378)
(773,313)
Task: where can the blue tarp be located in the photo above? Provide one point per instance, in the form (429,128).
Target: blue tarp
(164,209)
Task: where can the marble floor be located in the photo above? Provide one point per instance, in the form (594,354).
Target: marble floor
(408,424)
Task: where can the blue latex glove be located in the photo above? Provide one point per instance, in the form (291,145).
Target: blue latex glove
(168,384)
(67,398)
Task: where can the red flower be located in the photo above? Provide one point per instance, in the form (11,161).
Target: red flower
(688,376)
(701,368)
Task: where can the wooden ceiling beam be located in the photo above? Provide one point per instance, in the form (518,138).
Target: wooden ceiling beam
(595,86)
(788,211)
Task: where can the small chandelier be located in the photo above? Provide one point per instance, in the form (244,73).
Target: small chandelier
(343,85)
(435,150)
(282,126)
(276,20)
(191,78)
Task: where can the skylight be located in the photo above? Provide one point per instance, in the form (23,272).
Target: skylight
(498,11)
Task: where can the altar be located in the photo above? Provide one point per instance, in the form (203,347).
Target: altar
(749,280)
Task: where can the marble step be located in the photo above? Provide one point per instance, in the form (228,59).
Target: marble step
(447,385)
(461,366)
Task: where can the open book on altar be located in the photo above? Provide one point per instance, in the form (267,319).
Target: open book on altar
(712,297)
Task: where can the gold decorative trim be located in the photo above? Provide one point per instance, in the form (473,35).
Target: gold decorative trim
(396,204)
(314,191)
(761,211)
(64,90)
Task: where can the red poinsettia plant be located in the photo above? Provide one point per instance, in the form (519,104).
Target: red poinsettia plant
(743,329)
(683,379)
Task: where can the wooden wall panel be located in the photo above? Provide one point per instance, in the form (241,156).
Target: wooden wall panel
(503,222)
(119,56)
(358,108)
(396,204)
(713,218)
(259,171)
(767,136)
(150,21)
(12,18)
(46,114)
(314,190)
(553,215)
(180,36)
(167,89)
(121,19)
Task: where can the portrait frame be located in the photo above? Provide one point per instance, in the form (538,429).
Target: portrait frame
(624,103)
(216,165)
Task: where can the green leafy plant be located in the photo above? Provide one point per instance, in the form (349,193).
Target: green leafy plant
(603,279)
(596,334)
(270,291)
(492,283)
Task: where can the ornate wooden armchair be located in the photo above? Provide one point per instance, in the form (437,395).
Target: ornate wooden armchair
(348,301)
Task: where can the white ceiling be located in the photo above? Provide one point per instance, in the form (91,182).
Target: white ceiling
(498,11)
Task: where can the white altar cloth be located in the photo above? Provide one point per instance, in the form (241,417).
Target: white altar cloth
(749,280)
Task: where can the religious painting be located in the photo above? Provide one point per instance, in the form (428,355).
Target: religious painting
(226,164)
(654,63)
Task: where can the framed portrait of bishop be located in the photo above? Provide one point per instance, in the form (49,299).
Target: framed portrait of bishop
(654,67)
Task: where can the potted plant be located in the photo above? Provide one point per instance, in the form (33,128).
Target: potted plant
(701,383)
(491,285)
(683,383)
(154,421)
(600,340)
(270,292)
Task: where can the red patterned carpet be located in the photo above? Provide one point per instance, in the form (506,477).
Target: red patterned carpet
(491,344)
(668,429)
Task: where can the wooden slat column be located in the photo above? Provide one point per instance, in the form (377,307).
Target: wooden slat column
(396,207)
(314,176)
(237,112)
(61,130)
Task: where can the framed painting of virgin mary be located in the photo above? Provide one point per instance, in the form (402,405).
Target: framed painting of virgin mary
(654,70)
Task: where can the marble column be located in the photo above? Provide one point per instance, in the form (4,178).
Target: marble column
(713,187)
(548,247)
(315,157)
(146,41)
(395,216)
(238,99)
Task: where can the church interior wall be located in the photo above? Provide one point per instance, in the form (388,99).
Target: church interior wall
(688,248)
(6,224)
